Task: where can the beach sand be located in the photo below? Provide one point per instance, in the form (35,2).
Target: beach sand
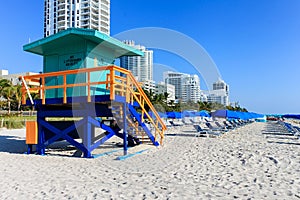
(242,164)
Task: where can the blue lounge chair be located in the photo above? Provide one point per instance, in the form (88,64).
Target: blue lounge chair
(205,132)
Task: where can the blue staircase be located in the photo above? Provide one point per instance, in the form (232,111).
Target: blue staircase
(131,117)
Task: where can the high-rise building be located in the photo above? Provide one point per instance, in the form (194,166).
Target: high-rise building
(176,79)
(163,87)
(187,87)
(220,93)
(62,14)
(191,88)
(140,66)
(221,85)
(149,85)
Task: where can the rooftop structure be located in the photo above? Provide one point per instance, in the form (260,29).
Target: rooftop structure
(81,48)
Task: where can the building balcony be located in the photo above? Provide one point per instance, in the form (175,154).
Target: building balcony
(94,19)
(105,2)
(60,19)
(61,14)
(104,30)
(94,27)
(95,11)
(93,5)
(85,6)
(103,18)
(104,13)
(84,23)
(85,11)
(95,15)
(61,3)
(61,26)
(103,6)
(104,24)
(85,17)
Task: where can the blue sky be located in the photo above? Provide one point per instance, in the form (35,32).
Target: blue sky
(254,43)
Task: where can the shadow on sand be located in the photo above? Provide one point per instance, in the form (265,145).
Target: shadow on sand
(12,144)
(288,143)
(179,134)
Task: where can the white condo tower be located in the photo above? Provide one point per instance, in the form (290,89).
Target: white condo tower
(62,14)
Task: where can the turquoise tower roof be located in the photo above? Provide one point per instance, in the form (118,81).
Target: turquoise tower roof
(51,44)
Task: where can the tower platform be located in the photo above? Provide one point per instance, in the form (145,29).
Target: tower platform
(121,99)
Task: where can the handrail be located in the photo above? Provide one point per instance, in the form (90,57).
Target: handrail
(112,80)
(141,91)
(144,97)
(143,94)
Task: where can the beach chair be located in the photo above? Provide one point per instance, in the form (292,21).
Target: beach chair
(224,128)
(214,127)
(205,132)
(187,121)
(281,129)
(167,123)
(234,123)
(176,123)
(228,126)
(292,129)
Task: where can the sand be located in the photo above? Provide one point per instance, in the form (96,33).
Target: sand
(242,164)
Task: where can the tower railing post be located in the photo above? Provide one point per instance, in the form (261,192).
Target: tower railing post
(112,83)
(65,89)
(89,87)
(43,97)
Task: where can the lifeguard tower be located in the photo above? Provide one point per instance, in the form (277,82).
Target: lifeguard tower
(81,82)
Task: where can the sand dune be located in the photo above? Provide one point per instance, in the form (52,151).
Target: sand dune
(242,164)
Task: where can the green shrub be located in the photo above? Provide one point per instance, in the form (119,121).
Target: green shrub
(13,124)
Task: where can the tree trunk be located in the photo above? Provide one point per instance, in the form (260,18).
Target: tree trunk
(19,105)
(8,104)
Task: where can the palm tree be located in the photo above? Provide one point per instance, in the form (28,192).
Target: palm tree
(18,96)
(8,93)
(166,95)
(204,105)
(4,83)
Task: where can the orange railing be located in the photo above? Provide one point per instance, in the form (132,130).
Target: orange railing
(118,81)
